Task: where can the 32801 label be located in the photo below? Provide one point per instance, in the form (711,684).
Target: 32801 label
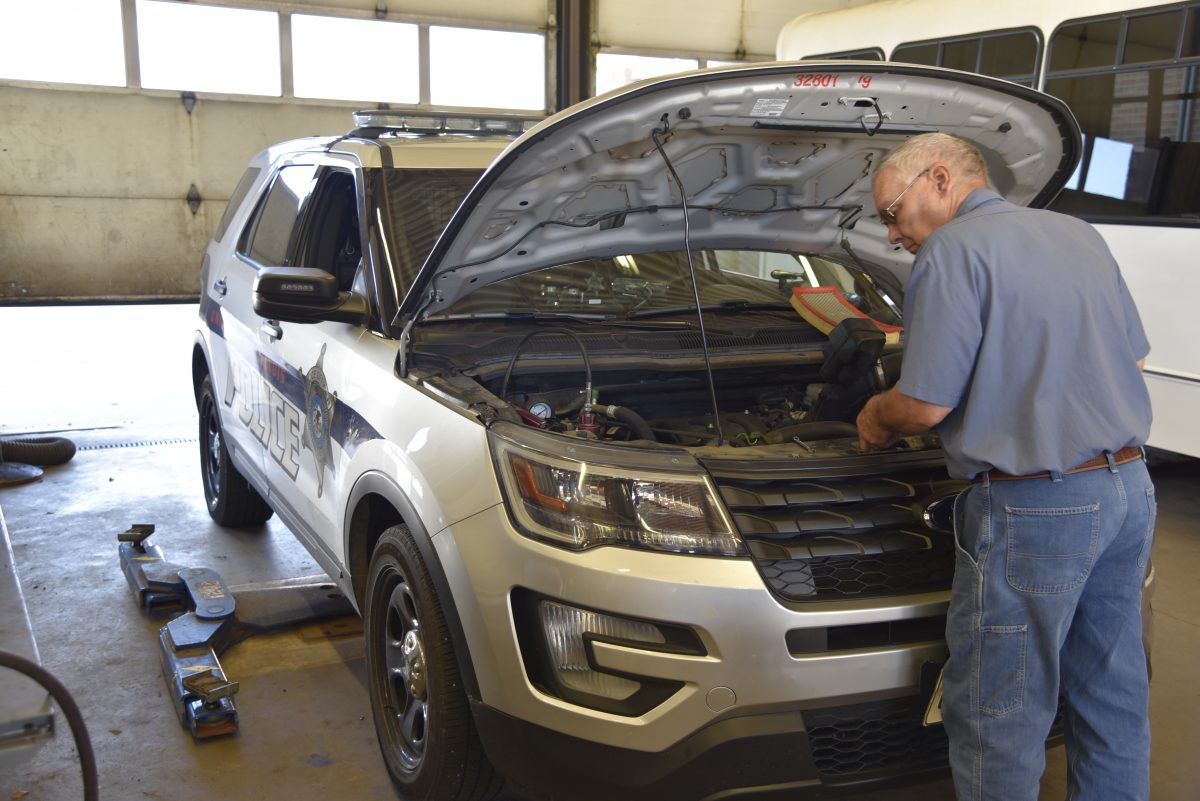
(830,80)
(817,79)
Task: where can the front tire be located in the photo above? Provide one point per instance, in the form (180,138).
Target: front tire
(422,719)
(231,500)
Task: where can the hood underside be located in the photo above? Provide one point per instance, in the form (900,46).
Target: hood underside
(773,157)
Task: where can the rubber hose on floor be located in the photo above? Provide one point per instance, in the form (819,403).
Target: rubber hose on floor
(37,450)
(83,743)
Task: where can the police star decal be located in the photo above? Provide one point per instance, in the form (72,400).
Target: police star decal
(319,404)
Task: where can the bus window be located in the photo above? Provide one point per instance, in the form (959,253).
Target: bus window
(1191,35)
(1092,44)
(961,55)
(1141,123)
(868,54)
(1012,55)
(1152,38)
(1015,55)
(917,54)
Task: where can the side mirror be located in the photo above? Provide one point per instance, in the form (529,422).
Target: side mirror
(305,295)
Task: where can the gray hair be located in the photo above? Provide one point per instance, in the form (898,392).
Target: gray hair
(917,153)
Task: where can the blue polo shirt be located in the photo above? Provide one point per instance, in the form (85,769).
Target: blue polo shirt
(1018,319)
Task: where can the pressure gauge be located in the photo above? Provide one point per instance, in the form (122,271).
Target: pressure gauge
(541,409)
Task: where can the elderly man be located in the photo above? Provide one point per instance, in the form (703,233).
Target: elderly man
(1024,350)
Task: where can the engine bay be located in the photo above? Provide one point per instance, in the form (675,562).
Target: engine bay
(802,399)
(615,350)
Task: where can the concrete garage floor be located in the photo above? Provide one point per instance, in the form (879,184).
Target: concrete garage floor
(116,379)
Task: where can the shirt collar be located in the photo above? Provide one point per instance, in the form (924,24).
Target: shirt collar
(976,199)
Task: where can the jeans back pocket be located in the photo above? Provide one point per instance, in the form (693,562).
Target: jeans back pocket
(1050,550)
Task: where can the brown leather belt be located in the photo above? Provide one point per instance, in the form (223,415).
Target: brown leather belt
(1129,454)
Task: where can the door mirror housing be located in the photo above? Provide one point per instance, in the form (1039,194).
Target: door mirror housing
(305,295)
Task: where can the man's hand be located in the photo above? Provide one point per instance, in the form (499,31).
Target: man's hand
(891,415)
(872,434)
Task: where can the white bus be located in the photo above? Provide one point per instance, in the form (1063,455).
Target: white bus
(1131,73)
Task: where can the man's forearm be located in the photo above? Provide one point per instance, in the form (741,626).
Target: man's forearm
(904,415)
(893,414)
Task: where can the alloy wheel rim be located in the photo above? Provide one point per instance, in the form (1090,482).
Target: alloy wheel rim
(212,453)
(405,676)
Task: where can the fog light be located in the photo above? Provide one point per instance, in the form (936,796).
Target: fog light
(565,627)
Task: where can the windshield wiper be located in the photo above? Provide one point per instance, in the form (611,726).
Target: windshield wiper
(609,320)
(724,306)
(535,316)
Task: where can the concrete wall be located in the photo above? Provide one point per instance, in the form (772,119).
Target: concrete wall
(94,185)
(94,180)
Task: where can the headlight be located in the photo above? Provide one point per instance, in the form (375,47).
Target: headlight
(580,495)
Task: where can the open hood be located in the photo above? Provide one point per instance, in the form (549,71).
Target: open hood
(772,157)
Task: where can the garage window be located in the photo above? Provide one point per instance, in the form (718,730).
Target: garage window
(67,41)
(208,49)
(487,69)
(355,59)
(614,70)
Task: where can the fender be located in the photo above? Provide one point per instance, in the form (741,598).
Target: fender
(378,483)
(201,363)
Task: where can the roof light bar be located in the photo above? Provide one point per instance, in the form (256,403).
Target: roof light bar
(443,122)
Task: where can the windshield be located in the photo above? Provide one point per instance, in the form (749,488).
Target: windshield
(658,284)
(419,205)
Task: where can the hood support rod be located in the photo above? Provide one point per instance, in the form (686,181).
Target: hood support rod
(687,244)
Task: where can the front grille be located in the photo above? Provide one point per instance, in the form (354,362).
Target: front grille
(925,570)
(884,735)
(821,535)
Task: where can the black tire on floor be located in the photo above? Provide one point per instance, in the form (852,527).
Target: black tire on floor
(231,500)
(37,450)
(422,719)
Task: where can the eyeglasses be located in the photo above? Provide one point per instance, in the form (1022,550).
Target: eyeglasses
(888,215)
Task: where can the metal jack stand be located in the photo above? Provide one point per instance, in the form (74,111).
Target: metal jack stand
(189,643)
(203,695)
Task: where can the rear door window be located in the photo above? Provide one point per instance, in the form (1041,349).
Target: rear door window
(236,200)
(267,237)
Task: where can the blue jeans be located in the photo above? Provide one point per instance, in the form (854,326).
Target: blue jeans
(1047,602)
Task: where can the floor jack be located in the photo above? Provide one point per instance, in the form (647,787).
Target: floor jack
(189,643)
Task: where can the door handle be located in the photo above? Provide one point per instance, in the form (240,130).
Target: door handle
(220,287)
(271,329)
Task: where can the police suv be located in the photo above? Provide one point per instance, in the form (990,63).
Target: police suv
(543,406)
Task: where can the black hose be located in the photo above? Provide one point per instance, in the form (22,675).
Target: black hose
(37,450)
(587,365)
(630,418)
(83,743)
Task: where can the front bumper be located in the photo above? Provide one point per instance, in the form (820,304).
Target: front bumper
(765,756)
(751,688)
